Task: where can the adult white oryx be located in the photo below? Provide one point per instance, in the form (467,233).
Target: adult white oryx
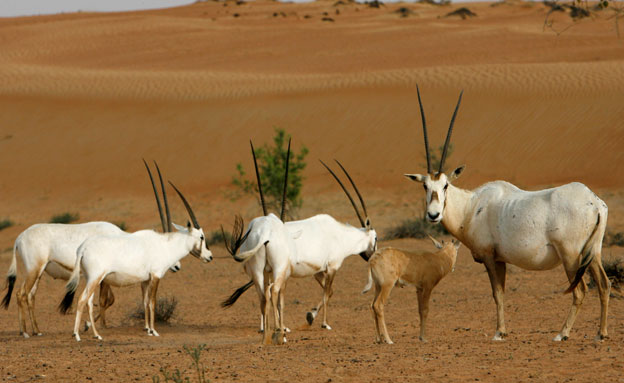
(266,235)
(322,244)
(140,257)
(535,230)
(50,247)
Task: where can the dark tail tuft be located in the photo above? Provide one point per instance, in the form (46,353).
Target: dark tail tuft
(588,257)
(237,238)
(68,299)
(7,298)
(234,297)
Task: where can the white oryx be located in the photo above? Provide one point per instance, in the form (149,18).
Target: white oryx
(535,230)
(51,247)
(322,244)
(267,233)
(141,257)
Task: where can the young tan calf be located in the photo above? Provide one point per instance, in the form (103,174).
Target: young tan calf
(423,269)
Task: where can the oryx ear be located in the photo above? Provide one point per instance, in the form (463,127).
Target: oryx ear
(435,242)
(367,224)
(415,177)
(179,228)
(456,173)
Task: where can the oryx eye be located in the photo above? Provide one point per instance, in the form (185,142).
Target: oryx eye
(425,186)
(202,237)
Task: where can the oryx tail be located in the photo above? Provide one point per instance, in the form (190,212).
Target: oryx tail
(246,255)
(587,256)
(11,276)
(234,297)
(72,285)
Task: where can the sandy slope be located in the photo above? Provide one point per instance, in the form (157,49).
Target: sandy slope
(83,97)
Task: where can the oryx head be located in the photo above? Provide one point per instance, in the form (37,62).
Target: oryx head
(200,249)
(436,183)
(366,223)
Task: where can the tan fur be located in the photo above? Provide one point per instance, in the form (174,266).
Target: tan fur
(422,269)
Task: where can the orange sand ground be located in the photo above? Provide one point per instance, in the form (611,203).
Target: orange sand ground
(83,97)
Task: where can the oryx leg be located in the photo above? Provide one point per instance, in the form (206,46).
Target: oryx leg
(497,272)
(87,293)
(381,297)
(152,304)
(327,293)
(145,292)
(604,289)
(374,312)
(423,309)
(260,283)
(571,265)
(311,315)
(31,304)
(91,318)
(278,316)
(266,339)
(22,297)
(106,300)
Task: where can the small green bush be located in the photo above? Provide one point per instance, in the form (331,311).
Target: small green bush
(6,223)
(163,312)
(176,375)
(415,228)
(216,238)
(122,225)
(66,217)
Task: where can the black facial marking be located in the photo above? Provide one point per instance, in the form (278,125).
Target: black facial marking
(479,210)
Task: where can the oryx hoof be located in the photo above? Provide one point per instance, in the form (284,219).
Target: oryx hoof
(499,336)
(38,334)
(601,337)
(310,317)
(326,326)
(77,337)
(278,337)
(560,337)
(287,330)
(261,331)
(422,339)
(25,335)
(155,333)
(97,337)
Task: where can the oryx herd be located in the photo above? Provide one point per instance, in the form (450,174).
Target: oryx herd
(498,222)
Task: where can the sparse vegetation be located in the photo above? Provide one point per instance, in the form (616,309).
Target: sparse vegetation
(613,239)
(462,12)
(415,228)
(5,223)
(271,164)
(66,217)
(176,375)
(404,12)
(163,312)
(122,225)
(217,237)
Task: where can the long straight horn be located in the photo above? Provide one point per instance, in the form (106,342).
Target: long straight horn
(354,187)
(188,207)
(162,217)
(347,193)
(424,125)
(285,182)
(253,153)
(164,192)
(448,135)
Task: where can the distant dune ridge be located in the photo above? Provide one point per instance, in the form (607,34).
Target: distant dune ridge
(83,97)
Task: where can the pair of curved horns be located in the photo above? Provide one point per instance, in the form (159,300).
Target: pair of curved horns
(448,135)
(287,163)
(357,211)
(166,225)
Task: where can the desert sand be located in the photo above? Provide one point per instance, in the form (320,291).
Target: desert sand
(85,96)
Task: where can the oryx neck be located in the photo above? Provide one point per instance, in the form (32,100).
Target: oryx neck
(455,212)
